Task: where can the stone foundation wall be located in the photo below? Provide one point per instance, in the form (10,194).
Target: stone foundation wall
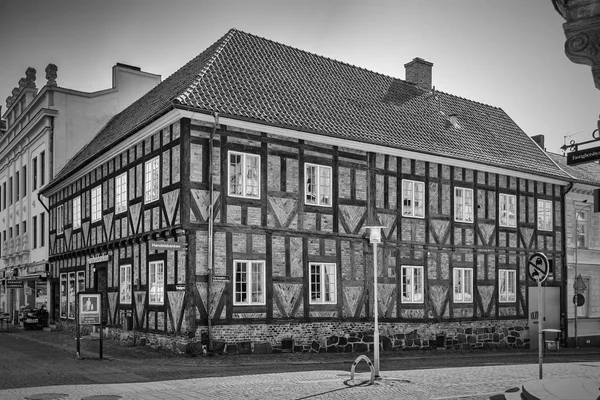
(334,337)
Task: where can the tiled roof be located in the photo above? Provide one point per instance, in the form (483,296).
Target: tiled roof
(253,78)
(587,173)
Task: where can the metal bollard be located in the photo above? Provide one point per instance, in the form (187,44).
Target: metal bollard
(369,363)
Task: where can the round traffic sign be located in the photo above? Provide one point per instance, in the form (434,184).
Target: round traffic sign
(579,299)
(537,269)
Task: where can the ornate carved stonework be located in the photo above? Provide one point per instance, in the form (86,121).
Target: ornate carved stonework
(30,77)
(51,74)
(582,30)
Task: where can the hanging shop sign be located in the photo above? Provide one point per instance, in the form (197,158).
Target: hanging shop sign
(98,259)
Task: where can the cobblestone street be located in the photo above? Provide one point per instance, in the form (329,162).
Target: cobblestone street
(37,365)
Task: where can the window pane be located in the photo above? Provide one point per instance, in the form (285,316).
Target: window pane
(325,186)
(252,176)
(235,174)
(311,188)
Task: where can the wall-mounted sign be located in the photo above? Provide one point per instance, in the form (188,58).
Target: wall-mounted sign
(221,278)
(180,287)
(164,245)
(14,284)
(98,259)
(90,305)
(583,156)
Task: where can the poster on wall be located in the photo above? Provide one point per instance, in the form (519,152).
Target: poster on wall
(71,299)
(63,295)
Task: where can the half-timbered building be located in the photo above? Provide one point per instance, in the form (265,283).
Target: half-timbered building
(230,203)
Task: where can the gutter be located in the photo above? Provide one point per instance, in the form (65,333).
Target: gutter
(211,232)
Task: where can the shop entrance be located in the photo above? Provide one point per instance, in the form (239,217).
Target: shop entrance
(101,285)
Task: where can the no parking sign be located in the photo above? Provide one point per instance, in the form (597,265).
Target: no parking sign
(538,269)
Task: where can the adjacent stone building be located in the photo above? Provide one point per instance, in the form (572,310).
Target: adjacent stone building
(42,130)
(229,204)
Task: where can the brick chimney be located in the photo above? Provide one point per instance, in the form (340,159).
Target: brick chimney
(418,71)
(539,139)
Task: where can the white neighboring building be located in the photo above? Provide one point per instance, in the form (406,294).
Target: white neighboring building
(41,130)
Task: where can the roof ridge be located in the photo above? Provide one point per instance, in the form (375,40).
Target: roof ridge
(466,99)
(225,40)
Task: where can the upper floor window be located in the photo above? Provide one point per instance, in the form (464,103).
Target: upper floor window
(34,234)
(413,198)
(463,285)
(412,284)
(42,168)
(582,229)
(322,284)
(24,186)
(584,310)
(508,210)
(96,203)
(508,285)
(544,215)
(125,284)
(249,282)
(17,186)
(121,193)
(42,229)
(156,282)
(463,204)
(244,175)
(318,184)
(152,176)
(34,174)
(59,220)
(77,212)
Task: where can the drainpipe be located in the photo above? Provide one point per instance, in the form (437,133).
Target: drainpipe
(210,226)
(565,272)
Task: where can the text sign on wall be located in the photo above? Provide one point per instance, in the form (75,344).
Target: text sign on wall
(98,259)
(583,156)
(14,284)
(162,245)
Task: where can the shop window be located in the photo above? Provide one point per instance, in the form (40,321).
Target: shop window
(463,204)
(125,284)
(317,181)
(156,282)
(463,285)
(249,282)
(322,284)
(63,295)
(151,180)
(244,175)
(508,285)
(412,284)
(508,210)
(72,289)
(413,198)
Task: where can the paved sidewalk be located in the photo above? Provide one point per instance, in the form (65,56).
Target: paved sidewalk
(469,383)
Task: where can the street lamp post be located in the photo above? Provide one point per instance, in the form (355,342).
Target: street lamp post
(577,211)
(374,239)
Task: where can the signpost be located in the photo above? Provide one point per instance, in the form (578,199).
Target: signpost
(89,309)
(538,269)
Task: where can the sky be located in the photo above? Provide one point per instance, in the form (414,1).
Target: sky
(508,54)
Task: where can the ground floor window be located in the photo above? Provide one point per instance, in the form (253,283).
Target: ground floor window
(249,282)
(322,284)
(63,295)
(71,298)
(125,284)
(508,285)
(463,285)
(412,284)
(156,282)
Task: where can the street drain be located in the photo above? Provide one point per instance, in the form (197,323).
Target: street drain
(102,397)
(46,396)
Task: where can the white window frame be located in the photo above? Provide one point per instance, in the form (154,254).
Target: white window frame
(60,221)
(156,282)
(412,284)
(96,203)
(238,175)
(77,212)
(249,283)
(413,198)
(125,289)
(507,285)
(151,180)
(463,204)
(584,311)
(505,200)
(544,213)
(318,193)
(325,290)
(463,285)
(121,193)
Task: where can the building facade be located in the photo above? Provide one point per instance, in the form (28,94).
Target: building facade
(44,129)
(229,204)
